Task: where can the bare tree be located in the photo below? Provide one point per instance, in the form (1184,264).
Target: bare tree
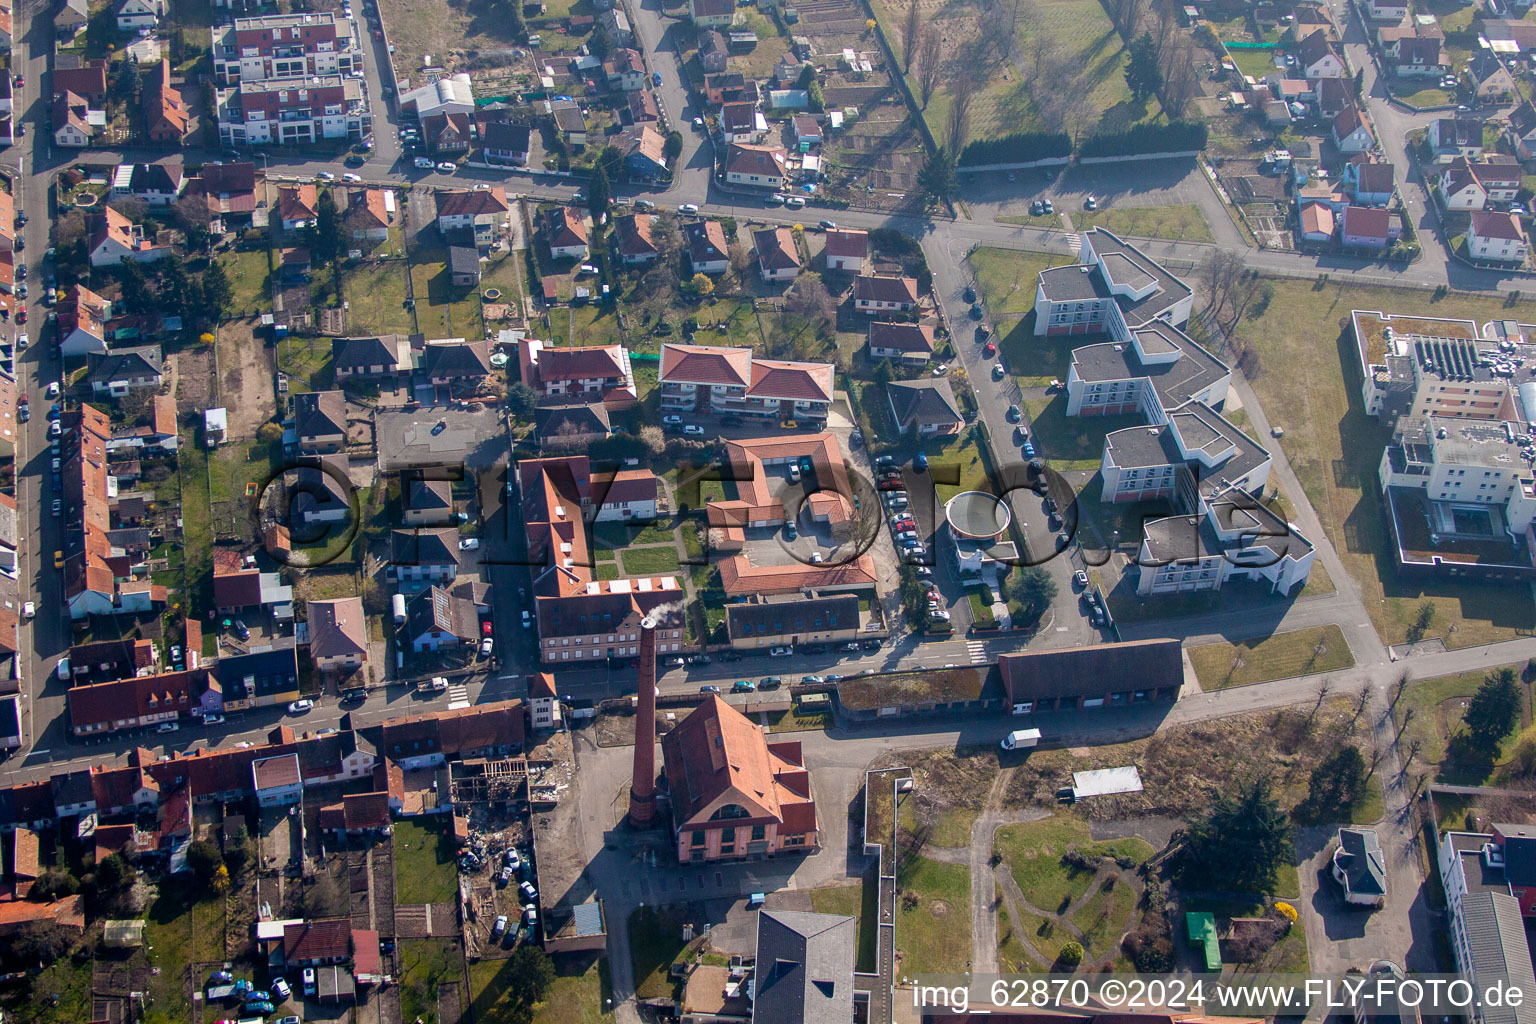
(1013,20)
(909,29)
(961,93)
(1180,83)
(930,64)
(1220,274)
(1165,33)
(1041,46)
(1128,15)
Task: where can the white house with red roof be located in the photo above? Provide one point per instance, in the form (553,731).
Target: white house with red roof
(583,372)
(847,250)
(1497,236)
(731,381)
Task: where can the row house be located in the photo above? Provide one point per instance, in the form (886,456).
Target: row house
(279,46)
(1465,185)
(731,381)
(140,701)
(294,111)
(437,737)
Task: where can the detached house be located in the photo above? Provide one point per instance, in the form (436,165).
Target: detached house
(625,70)
(504,143)
(320,422)
(588,373)
(370,212)
(634,238)
(116,239)
(373,357)
(847,250)
(708,251)
(884,293)
(1490,78)
(1450,137)
(741,121)
(114,374)
(778,257)
(81,317)
(75,122)
(1522,131)
(165,113)
(1367,228)
(565,232)
(446,134)
(713,52)
(644,153)
(924,407)
(1459,187)
(297,206)
(338,634)
(1351,133)
(1372,182)
(437,620)
(449,361)
(1417,56)
(484,212)
(133,15)
(1317,58)
(909,344)
(762,166)
(70,20)
(712,13)
(1497,236)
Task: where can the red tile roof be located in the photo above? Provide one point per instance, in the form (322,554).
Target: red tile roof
(317,940)
(706,364)
(799,382)
(848,244)
(885,288)
(1489,224)
(103,703)
(717,756)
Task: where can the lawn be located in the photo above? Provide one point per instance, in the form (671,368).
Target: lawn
(585,325)
(649,561)
(1034,852)
(655,940)
(64,978)
(1430,96)
(250,280)
(575,997)
(442,310)
(1075,442)
(168,932)
(425,870)
(1301,652)
(958,464)
(232,467)
(931,932)
(424,964)
(1256,63)
(1104,918)
(1007,278)
(375,294)
(1184,223)
(1309,384)
(208,922)
(633,533)
(1433,708)
(196,521)
(861,902)
(307,362)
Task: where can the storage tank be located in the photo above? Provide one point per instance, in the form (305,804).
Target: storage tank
(397,605)
(1528,400)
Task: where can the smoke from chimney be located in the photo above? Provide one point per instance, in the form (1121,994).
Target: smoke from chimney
(642,787)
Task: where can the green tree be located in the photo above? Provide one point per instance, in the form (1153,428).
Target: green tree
(205,860)
(672,148)
(1070,956)
(937,177)
(1360,84)
(137,294)
(530,973)
(517,27)
(1242,840)
(268,433)
(112,873)
(807,77)
(521,400)
(599,193)
(913,599)
(1033,589)
(815,98)
(1492,712)
(1338,781)
(217,293)
(327,244)
(1142,72)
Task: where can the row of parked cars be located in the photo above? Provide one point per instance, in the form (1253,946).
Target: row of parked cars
(892,483)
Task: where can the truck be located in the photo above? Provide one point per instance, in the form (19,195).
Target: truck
(1021,739)
(437,684)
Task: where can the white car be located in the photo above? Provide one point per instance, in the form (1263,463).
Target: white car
(167,727)
(326,176)
(487,646)
(424,163)
(941,369)
(353,178)
(447,166)
(298,707)
(672,419)
(53,389)
(688,208)
(469,543)
(693,430)
(780,652)
(795,202)
(22,341)
(527,619)
(28,610)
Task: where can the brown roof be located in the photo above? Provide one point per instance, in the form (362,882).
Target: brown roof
(1491,224)
(848,243)
(317,940)
(760,160)
(366,810)
(564,227)
(581,362)
(275,772)
(90,80)
(706,364)
(297,202)
(635,235)
(68,912)
(450,732)
(115,787)
(337,627)
(1091,671)
(885,288)
(902,337)
(776,249)
(473,203)
(26,864)
(706,242)
(1366,221)
(801,382)
(102,703)
(366,208)
(717,756)
(623,486)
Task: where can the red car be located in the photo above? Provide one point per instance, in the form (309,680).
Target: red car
(894,483)
(990,349)
(21,314)
(485,628)
(907,523)
(19,81)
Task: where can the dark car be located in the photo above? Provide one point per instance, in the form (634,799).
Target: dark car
(741,686)
(969,294)
(355,160)
(976,311)
(710,689)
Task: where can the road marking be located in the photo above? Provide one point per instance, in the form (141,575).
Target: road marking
(978,651)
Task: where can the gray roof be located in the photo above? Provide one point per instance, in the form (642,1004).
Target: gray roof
(1175,383)
(1359,856)
(1130,266)
(463,259)
(429,495)
(1142,447)
(1499,953)
(123,363)
(1203,429)
(355,354)
(1091,671)
(804,968)
(552,421)
(791,618)
(1186,538)
(922,401)
(319,414)
(437,546)
(1076,283)
(505,137)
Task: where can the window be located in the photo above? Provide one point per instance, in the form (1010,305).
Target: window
(698,837)
(759,833)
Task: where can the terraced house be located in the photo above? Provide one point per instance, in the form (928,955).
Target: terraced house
(731,381)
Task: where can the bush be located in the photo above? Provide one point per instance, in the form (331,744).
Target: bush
(1021,147)
(1173,137)
(1070,956)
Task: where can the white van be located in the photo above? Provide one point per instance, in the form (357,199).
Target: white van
(424,163)
(1021,739)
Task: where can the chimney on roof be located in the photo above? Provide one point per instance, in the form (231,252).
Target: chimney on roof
(642,788)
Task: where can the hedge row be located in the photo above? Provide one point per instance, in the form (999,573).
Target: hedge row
(1018,148)
(1173,137)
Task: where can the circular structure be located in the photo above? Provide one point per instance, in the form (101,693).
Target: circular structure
(977,515)
(492,294)
(85,201)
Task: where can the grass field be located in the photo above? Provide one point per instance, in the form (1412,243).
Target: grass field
(1034,853)
(861,902)
(425,871)
(424,964)
(932,935)
(649,561)
(375,294)
(1181,223)
(1433,709)
(168,932)
(1298,653)
(1007,278)
(443,310)
(575,997)
(655,940)
(250,280)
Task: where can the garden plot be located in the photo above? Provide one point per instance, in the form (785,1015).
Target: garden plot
(245,379)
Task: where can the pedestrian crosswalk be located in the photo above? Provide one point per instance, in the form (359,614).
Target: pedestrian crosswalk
(1075,240)
(978,652)
(458,694)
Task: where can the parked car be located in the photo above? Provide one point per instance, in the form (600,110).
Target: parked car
(529,892)
(709,689)
(280,986)
(299,707)
(309,981)
(500,927)
(780,652)
(742,686)
(469,543)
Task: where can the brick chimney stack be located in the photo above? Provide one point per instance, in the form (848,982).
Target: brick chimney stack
(642,788)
